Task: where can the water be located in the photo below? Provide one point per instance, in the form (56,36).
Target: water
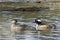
(27,18)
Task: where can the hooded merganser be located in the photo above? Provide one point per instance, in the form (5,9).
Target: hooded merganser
(43,26)
(15,27)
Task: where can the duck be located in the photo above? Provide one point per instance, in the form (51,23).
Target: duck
(41,25)
(17,28)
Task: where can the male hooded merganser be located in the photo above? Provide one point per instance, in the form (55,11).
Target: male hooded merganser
(15,27)
(43,26)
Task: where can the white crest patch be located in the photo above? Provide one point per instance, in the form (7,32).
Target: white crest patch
(39,20)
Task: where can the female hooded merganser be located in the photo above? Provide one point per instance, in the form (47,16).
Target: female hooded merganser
(15,27)
(43,26)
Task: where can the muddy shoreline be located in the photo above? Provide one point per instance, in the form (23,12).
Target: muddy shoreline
(28,9)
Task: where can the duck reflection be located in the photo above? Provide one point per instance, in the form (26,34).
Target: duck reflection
(27,35)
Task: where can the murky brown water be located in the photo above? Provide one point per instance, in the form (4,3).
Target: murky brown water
(27,18)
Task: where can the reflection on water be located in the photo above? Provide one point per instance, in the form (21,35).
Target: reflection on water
(27,35)
(27,18)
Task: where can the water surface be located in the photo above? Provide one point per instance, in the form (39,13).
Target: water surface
(25,17)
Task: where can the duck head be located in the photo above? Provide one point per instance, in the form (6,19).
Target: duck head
(38,21)
(14,21)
